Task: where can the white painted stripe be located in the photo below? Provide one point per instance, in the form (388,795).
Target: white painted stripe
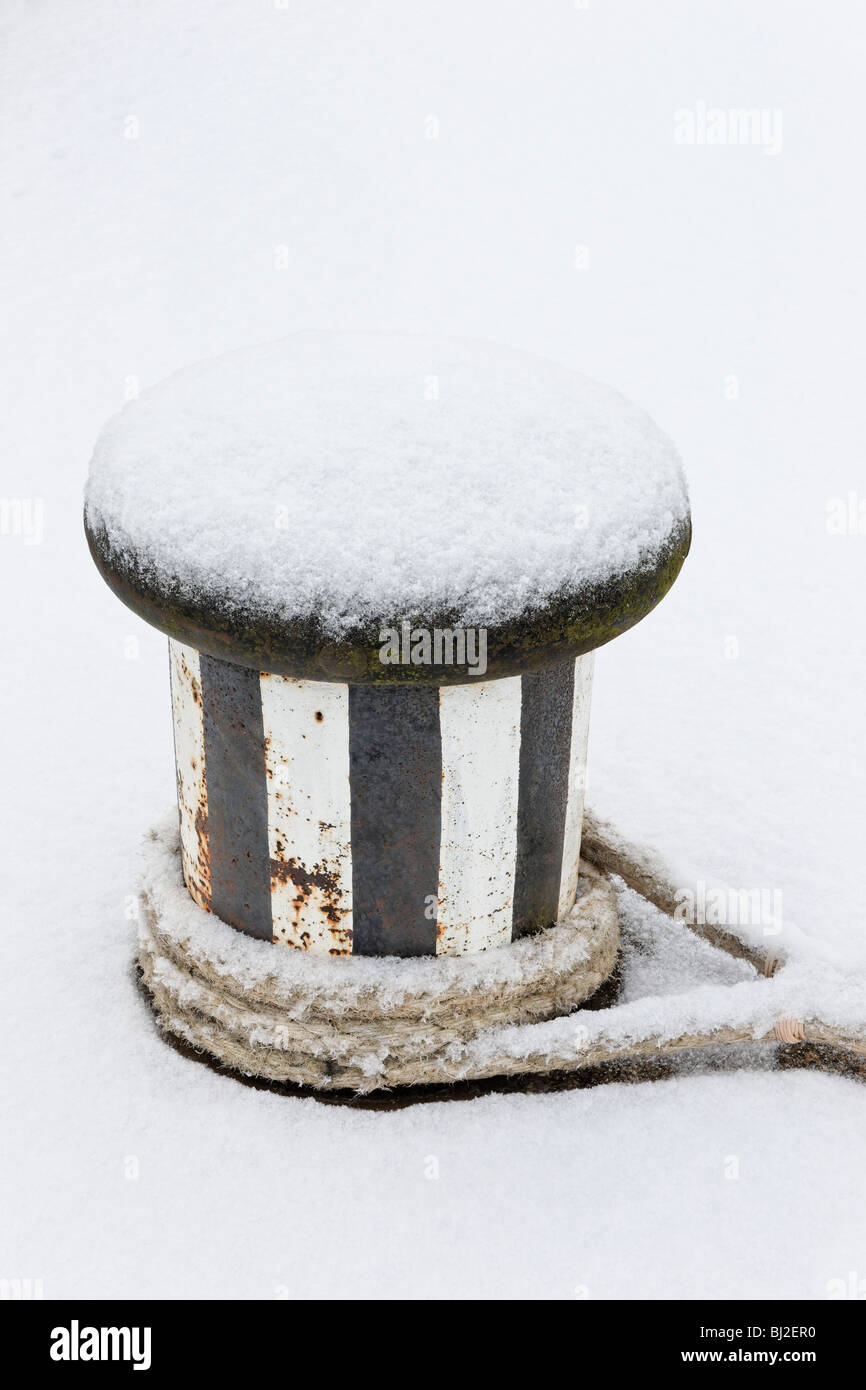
(480,728)
(583,668)
(188,714)
(306,727)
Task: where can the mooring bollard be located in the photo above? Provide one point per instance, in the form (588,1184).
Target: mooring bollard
(383,565)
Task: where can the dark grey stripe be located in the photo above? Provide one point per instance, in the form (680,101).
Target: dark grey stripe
(237,796)
(545,749)
(395,782)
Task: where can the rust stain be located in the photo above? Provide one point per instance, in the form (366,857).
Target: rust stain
(342,938)
(191,680)
(202,864)
(186,695)
(321,881)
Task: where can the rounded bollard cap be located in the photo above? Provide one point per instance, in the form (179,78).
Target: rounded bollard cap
(372,507)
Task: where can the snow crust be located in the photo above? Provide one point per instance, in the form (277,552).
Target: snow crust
(353,476)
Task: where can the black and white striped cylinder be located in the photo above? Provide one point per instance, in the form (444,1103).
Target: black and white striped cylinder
(380,820)
(280,510)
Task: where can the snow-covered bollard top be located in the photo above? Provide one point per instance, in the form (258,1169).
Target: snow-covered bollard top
(384,563)
(286,505)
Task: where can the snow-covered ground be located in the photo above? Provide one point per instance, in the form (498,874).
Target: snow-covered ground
(183,178)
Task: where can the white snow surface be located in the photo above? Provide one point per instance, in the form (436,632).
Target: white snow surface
(356,476)
(185,178)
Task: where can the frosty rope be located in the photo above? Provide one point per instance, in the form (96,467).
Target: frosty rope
(389,1022)
(371,1024)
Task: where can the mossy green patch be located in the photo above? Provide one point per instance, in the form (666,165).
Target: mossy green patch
(571,622)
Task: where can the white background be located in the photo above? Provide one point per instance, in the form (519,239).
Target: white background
(305,126)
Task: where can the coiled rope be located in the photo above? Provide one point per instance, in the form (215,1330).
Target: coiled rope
(363,1024)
